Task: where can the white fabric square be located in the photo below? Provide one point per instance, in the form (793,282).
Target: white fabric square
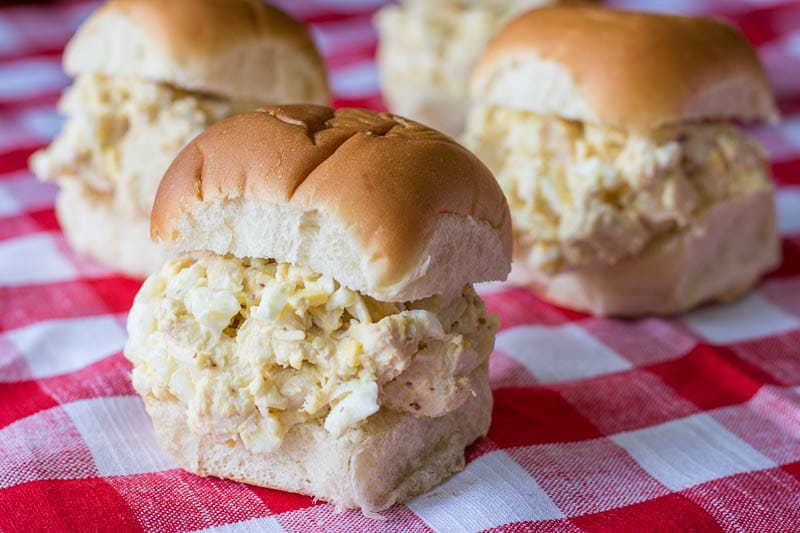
(493,490)
(29,192)
(27,78)
(749,318)
(9,37)
(8,206)
(788,202)
(119,434)
(490,287)
(42,123)
(265,524)
(689,451)
(356,80)
(559,353)
(33,259)
(769,422)
(59,346)
(792,44)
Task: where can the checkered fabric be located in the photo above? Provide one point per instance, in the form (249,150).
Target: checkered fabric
(691,423)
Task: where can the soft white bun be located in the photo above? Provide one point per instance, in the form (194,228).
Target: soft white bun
(240,49)
(718,259)
(382,204)
(390,458)
(624,69)
(114,238)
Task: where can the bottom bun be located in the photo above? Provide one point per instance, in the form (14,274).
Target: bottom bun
(718,259)
(116,239)
(388,459)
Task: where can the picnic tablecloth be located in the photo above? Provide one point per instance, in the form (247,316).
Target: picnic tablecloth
(688,423)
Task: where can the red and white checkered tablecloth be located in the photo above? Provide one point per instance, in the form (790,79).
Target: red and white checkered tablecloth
(690,423)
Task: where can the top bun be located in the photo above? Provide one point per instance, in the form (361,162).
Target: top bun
(240,49)
(624,69)
(384,205)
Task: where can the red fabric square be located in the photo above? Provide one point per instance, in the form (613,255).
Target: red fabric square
(787,170)
(761,25)
(534,415)
(790,255)
(45,219)
(793,469)
(117,292)
(16,226)
(673,512)
(65,505)
(176,500)
(21,399)
(14,160)
(625,401)
(711,377)
(543,526)
(278,501)
(768,500)
(27,304)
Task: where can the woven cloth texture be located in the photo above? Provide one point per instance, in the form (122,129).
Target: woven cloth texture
(687,423)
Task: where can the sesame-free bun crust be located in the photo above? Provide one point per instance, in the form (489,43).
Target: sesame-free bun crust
(624,69)
(718,259)
(241,49)
(382,204)
(93,227)
(388,459)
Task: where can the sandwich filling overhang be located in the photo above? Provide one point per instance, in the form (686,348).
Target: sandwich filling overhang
(121,134)
(585,196)
(251,348)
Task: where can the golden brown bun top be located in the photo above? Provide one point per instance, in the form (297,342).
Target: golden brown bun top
(207,45)
(390,183)
(627,69)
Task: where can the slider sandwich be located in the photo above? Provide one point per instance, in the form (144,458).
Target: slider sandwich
(317,330)
(149,76)
(614,137)
(426,51)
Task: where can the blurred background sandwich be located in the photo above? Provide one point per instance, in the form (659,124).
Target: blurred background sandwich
(149,76)
(615,137)
(427,48)
(318,331)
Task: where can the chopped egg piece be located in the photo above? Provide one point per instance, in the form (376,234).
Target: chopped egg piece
(213,309)
(360,402)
